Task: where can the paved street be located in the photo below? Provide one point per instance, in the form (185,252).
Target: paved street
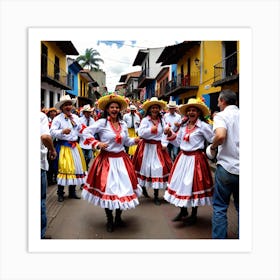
(77,219)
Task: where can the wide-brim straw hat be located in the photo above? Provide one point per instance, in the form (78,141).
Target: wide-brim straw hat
(64,99)
(195,102)
(153,101)
(52,109)
(106,99)
(172,104)
(87,108)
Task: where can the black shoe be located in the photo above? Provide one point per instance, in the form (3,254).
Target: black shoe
(119,223)
(157,201)
(60,198)
(179,217)
(110,227)
(74,195)
(190,221)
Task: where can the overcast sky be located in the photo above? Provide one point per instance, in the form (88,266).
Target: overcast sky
(118,56)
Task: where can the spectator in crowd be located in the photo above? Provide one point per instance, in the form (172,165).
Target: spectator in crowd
(225,148)
(190,183)
(111,182)
(86,119)
(151,159)
(71,163)
(173,120)
(46,145)
(52,172)
(132,120)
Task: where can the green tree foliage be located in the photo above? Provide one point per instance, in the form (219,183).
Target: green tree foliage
(89,60)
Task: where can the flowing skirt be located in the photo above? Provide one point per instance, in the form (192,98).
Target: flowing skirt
(71,165)
(190,182)
(111,182)
(152,164)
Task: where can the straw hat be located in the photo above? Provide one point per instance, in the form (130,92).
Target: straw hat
(52,109)
(106,99)
(64,99)
(195,102)
(172,104)
(132,108)
(154,101)
(87,108)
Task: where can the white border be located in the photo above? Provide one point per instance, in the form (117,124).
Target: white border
(263,17)
(244,244)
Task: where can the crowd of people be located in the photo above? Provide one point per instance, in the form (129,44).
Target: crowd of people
(119,150)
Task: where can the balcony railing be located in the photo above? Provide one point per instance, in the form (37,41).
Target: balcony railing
(53,72)
(180,82)
(226,68)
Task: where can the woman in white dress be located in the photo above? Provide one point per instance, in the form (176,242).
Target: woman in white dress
(111,182)
(190,183)
(151,159)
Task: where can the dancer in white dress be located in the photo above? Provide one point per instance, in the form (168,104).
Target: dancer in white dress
(111,182)
(151,159)
(190,183)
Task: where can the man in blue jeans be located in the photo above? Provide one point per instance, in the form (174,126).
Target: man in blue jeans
(226,147)
(46,144)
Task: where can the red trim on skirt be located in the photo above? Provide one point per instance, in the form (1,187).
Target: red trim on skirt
(202,177)
(163,156)
(98,173)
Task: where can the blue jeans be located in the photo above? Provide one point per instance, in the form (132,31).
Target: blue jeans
(44,183)
(88,155)
(172,151)
(226,184)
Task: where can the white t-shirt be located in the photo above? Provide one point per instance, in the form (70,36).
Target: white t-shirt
(228,152)
(44,129)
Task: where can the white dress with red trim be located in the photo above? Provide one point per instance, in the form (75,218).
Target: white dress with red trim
(152,164)
(111,181)
(190,182)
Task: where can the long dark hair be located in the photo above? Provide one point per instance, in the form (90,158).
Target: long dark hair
(148,113)
(201,117)
(105,114)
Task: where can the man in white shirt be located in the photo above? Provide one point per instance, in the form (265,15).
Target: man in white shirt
(86,119)
(46,144)
(226,146)
(174,120)
(132,120)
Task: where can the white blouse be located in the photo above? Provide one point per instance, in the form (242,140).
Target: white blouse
(202,132)
(107,135)
(144,131)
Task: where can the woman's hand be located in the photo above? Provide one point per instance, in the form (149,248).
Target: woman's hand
(102,145)
(66,130)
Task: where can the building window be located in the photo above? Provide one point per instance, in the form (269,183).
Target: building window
(51,98)
(42,98)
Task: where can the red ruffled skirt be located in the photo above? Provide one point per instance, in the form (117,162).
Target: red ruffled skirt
(152,164)
(111,182)
(190,182)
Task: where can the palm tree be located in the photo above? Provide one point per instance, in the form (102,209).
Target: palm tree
(89,59)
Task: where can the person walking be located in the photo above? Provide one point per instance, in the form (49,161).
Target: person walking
(225,147)
(190,183)
(173,119)
(132,120)
(71,164)
(151,160)
(47,148)
(86,119)
(111,181)
(51,173)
